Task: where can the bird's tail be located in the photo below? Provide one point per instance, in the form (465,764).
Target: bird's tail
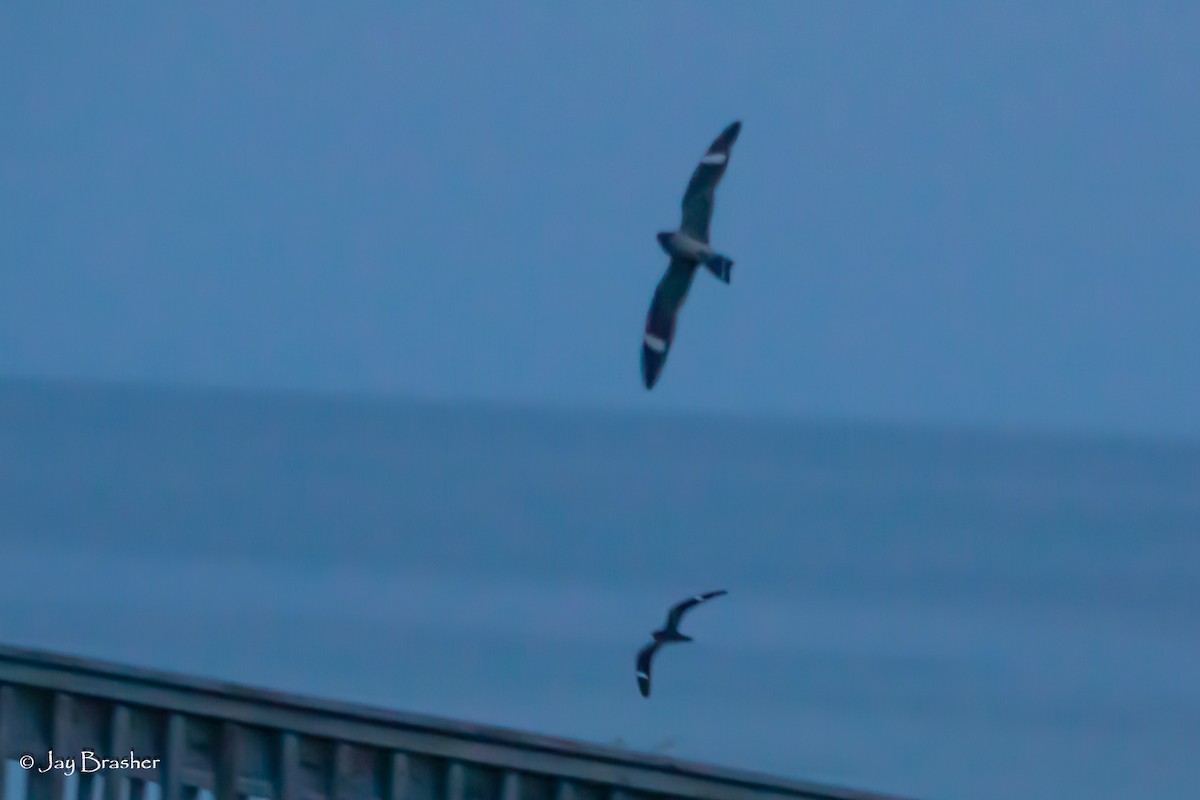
(719,265)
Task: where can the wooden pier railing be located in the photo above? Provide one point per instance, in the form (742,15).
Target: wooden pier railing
(168,737)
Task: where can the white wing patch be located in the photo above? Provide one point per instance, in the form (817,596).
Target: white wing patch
(656,344)
(714,158)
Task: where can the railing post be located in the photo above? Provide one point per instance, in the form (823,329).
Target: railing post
(6,710)
(510,787)
(172,773)
(118,741)
(72,741)
(49,785)
(455,781)
(229,762)
(288,779)
(564,790)
(398,777)
(340,769)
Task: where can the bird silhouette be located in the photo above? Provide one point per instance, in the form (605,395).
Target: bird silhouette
(668,634)
(688,248)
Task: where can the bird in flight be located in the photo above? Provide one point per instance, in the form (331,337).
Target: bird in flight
(688,248)
(666,635)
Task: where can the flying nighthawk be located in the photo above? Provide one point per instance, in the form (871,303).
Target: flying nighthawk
(666,635)
(688,248)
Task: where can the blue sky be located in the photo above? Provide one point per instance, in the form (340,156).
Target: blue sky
(944,212)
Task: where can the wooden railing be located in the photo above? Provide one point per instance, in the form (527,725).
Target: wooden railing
(198,739)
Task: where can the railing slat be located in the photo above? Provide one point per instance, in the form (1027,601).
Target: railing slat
(118,742)
(6,711)
(228,762)
(340,772)
(510,786)
(288,780)
(173,757)
(564,790)
(455,781)
(399,777)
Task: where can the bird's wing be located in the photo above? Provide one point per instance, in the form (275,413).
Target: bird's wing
(645,655)
(660,321)
(679,609)
(698,199)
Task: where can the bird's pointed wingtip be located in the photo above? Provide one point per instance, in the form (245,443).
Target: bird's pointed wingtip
(652,363)
(725,141)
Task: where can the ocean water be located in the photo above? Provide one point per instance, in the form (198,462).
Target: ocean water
(933,613)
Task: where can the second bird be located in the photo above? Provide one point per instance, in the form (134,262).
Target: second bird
(666,635)
(688,248)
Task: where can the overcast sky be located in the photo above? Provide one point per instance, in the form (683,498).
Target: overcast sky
(950,212)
